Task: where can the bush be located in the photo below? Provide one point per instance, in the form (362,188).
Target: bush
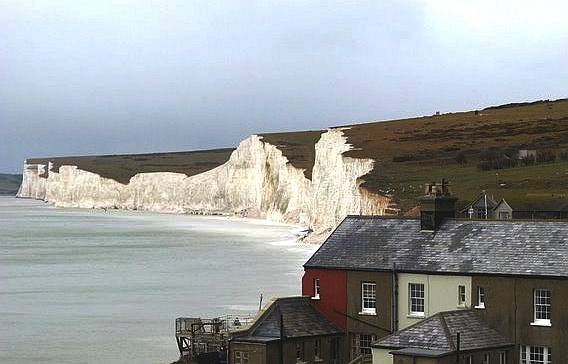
(461,158)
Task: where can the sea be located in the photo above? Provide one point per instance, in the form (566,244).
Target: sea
(95,286)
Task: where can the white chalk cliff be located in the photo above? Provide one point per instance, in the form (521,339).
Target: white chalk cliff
(256,181)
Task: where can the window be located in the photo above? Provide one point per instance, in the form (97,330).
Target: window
(361,344)
(485,358)
(317,350)
(334,351)
(369,298)
(241,357)
(542,306)
(461,295)
(316,288)
(503,357)
(416,297)
(536,355)
(468,359)
(480,297)
(300,352)
(504,215)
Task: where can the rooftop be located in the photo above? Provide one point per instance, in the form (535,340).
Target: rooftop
(437,335)
(300,319)
(508,247)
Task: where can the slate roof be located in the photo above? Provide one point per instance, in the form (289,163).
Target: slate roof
(437,335)
(299,317)
(507,247)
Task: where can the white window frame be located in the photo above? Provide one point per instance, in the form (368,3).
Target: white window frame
(462,298)
(540,305)
(412,297)
(368,298)
(317,289)
(468,359)
(503,357)
(480,298)
(486,359)
(527,356)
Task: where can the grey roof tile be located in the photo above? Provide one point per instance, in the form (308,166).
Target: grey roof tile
(459,246)
(299,317)
(439,333)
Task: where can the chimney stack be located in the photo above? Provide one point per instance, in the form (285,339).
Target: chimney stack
(436,205)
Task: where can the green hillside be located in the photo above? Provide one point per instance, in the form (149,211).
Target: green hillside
(475,150)
(9,183)
(457,146)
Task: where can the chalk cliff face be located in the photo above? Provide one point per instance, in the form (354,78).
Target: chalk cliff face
(257,181)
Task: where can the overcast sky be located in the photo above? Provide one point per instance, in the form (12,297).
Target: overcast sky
(100,76)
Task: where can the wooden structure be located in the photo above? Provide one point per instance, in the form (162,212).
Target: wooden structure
(205,340)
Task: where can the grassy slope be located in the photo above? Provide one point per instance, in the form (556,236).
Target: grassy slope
(122,167)
(542,126)
(9,183)
(436,140)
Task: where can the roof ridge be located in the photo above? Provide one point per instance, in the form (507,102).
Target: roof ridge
(447,332)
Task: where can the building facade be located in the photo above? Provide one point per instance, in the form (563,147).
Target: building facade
(376,276)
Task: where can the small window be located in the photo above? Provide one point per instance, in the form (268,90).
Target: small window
(542,306)
(369,298)
(486,358)
(334,351)
(416,298)
(503,357)
(480,297)
(365,343)
(241,357)
(504,215)
(300,352)
(316,288)
(317,350)
(468,359)
(461,295)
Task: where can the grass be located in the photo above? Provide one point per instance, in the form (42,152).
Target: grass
(408,153)
(9,183)
(123,167)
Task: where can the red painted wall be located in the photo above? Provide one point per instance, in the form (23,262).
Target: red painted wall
(333,293)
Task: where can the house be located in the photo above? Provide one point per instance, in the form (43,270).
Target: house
(375,276)
(485,207)
(288,331)
(436,338)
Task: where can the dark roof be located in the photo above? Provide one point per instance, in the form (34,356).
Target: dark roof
(479,203)
(507,247)
(438,334)
(299,317)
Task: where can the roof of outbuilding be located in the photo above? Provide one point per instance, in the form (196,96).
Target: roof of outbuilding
(299,317)
(438,334)
(508,247)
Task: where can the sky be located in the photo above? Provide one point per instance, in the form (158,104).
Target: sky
(126,76)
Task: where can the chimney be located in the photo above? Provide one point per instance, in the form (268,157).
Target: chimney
(437,205)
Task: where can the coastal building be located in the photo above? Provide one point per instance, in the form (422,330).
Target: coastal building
(485,207)
(378,276)
(288,331)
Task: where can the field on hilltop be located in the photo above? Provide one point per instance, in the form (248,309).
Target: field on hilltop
(475,150)
(411,152)
(123,167)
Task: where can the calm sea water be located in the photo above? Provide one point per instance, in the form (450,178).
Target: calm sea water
(88,286)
